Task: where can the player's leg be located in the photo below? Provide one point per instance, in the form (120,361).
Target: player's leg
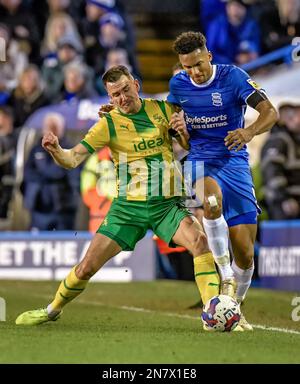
(216,230)
(101,249)
(191,235)
(125,224)
(242,239)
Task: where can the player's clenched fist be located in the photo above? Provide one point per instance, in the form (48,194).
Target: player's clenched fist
(177,122)
(50,142)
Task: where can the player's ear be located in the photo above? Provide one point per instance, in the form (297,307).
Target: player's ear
(137,85)
(210,56)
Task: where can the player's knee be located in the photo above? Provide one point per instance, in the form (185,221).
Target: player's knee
(212,206)
(200,244)
(85,271)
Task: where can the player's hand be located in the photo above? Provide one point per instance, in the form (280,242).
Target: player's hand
(238,138)
(105,108)
(177,123)
(50,142)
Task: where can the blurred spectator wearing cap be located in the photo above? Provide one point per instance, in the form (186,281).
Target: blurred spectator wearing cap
(69,50)
(50,192)
(107,26)
(235,36)
(28,96)
(90,31)
(10,69)
(76,86)
(280,164)
(8,139)
(22,23)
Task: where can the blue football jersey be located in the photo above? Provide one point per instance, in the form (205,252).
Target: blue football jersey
(212,109)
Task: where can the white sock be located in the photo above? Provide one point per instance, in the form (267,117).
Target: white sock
(217,237)
(51,312)
(243,278)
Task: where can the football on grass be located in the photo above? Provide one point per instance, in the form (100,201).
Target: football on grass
(221,313)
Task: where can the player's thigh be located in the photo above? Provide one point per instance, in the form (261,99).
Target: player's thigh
(242,239)
(190,235)
(165,218)
(126,223)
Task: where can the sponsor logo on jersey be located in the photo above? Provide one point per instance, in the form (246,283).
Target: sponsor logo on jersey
(160,119)
(254,84)
(148,144)
(217,99)
(205,122)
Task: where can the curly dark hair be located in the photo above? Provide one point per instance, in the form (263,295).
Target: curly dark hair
(187,42)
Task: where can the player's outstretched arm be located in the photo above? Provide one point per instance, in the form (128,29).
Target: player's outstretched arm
(66,158)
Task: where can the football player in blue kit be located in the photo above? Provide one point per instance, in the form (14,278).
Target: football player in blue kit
(214,99)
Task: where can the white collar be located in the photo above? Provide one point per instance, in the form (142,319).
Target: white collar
(209,81)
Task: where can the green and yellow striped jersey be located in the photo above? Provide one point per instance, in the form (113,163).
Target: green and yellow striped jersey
(142,151)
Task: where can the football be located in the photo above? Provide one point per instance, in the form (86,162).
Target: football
(221,313)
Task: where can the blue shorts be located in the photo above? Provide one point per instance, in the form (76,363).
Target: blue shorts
(239,201)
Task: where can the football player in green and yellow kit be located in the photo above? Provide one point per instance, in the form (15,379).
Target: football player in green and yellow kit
(148,193)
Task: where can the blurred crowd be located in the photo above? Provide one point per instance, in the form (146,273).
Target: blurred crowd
(56,52)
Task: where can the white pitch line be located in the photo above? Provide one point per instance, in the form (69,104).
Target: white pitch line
(137,309)
(169,314)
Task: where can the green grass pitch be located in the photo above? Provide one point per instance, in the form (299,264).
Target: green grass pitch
(144,323)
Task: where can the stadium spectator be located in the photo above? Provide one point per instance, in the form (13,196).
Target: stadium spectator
(22,23)
(234,38)
(280,25)
(280,165)
(28,96)
(58,25)
(209,11)
(14,65)
(95,54)
(107,26)
(43,9)
(115,56)
(76,85)
(7,153)
(69,50)
(50,192)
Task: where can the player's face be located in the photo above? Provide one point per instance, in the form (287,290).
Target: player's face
(197,64)
(124,94)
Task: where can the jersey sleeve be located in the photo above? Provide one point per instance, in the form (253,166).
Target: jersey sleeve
(244,85)
(172,98)
(97,136)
